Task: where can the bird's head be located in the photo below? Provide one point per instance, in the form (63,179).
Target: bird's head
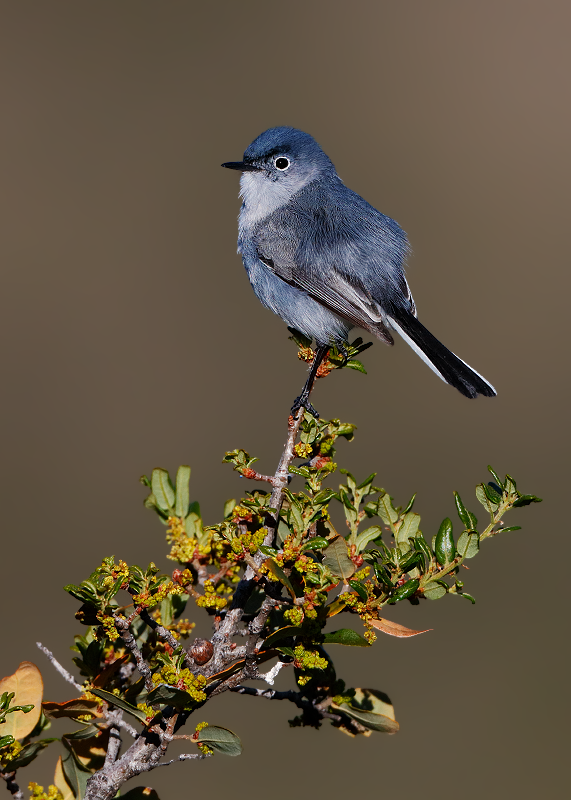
(280,162)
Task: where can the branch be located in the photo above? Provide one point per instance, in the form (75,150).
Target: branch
(62,670)
(281,476)
(279,482)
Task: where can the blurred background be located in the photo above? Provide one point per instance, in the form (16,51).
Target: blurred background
(132,339)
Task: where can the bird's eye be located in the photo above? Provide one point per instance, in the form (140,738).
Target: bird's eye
(282,163)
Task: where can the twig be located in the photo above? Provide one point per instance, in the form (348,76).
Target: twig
(183,757)
(126,727)
(131,645)
(12,786)
(114,738)
(62,670)
(171,640)
(252,475)
(270,675)
(269,694)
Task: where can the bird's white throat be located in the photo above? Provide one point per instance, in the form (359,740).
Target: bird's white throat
(261,197)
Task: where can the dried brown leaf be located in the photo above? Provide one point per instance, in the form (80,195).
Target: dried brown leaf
(28,686)
(394,629)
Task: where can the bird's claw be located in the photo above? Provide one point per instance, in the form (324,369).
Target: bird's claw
(303,402)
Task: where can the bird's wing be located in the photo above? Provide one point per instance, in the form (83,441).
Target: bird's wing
(339,295)
(328,242)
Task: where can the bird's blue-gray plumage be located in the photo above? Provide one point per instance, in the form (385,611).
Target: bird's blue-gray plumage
(323,259)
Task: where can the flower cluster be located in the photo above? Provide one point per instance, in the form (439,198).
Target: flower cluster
(38,793)
(211,598)
(166,589)
(307,660)
(9,753)
(182,679)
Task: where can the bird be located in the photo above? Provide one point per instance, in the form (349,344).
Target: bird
(323,259)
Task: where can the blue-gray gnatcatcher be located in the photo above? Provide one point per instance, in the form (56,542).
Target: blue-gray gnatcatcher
(324,260)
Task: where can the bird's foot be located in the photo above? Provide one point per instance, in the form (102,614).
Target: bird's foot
(344,352)
(303,402)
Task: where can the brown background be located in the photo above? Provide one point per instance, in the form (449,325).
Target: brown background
(131,339)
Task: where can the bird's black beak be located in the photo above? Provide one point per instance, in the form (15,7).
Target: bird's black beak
(240,165)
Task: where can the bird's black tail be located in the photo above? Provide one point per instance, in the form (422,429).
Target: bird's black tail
(447,366)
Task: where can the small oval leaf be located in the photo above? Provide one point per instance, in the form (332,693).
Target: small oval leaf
(444,545)
(162,489)
(182,494)
(221,739)
(336,558)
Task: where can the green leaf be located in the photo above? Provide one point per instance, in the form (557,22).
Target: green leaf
(367,536)
(435,592)
(336,558)
(268,551)
(510,486)
(120,703)
(169,695)
(303,471)
(526,499)
(511,528)
(281,633)
(167,612)
(345,636)
(492,493)
(496,477)
(296,518)
(299,338)
(386,510)
(382,575)
(483,498)
(162,489)
(406,590)
(84,733)
(229,506)
(467,596)
(221,739)
(75,773)
(468,544)
(444,545)
(287,651)
(6,740)
(353,363)
(317,543)
(462,512)
(365,708)
(29,753)
(408,529)
(276,570)
(359,587)
(283,532)
(422,546)
(367,483)
(410,504)
(182,494)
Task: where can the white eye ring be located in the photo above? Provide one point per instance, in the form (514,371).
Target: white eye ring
(278,163)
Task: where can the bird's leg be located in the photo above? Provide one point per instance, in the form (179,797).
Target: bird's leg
(303,400)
